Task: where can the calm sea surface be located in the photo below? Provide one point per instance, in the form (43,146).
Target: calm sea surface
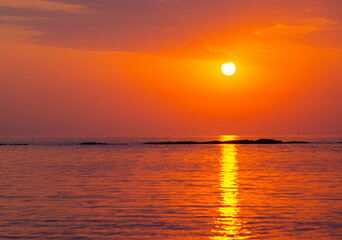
(56,189)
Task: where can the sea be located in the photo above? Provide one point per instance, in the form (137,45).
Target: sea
(55,188)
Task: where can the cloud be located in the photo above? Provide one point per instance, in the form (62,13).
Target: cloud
(45,5)
(307,25)
(311,10)
(13,19)
(167,29)
(17,33)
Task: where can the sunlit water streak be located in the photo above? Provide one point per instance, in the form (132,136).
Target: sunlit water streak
(229,225)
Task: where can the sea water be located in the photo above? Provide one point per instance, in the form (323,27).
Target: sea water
(55,188)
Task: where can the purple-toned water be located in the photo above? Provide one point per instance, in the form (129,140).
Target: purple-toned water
(56,189)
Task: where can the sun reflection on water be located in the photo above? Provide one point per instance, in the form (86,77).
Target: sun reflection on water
(228,224)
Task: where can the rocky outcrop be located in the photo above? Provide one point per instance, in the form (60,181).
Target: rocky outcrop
(246,141)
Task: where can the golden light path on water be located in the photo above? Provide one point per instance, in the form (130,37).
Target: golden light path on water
(229,225)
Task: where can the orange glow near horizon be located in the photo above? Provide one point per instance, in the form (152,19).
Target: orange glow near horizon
(288,66)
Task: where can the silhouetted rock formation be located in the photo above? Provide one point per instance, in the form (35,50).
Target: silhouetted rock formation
(267,141)
(246,141)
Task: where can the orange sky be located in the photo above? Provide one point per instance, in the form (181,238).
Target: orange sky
(152,67)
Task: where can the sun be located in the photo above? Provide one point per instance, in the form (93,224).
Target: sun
(228,68)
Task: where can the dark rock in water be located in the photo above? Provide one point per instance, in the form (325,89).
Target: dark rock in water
(2,144)
(295,142)
(213,142)
(93,143)
(267,141)
(245,141)
(259,141)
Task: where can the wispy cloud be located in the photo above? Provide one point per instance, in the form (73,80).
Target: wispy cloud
(45,5)
(306,26)
(167,29)
(14,19)
(311,10)
(17,33)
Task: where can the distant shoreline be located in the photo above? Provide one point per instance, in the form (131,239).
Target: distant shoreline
(245,141)
(262,141)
